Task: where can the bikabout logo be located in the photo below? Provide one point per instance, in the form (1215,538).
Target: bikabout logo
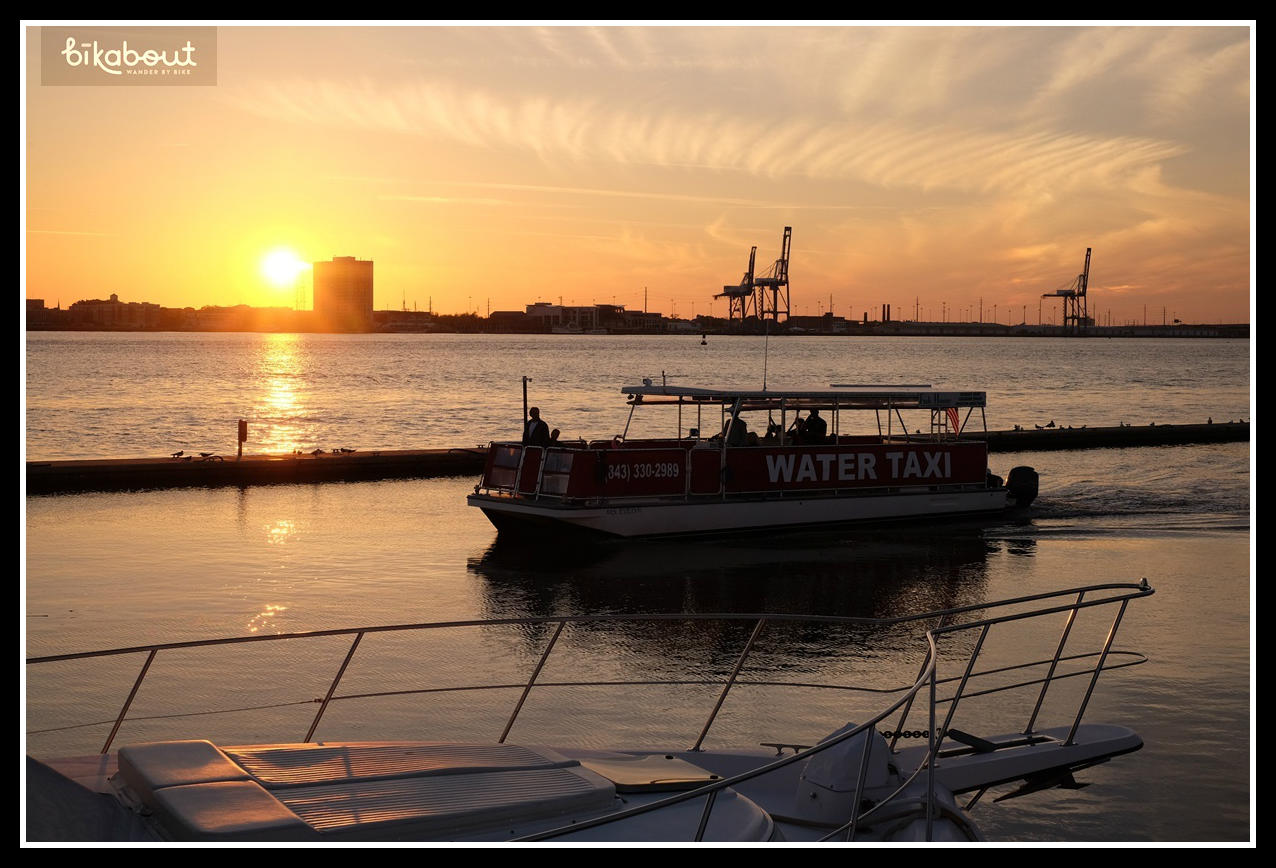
(128,56)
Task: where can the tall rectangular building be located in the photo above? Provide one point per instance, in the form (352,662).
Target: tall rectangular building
(343,294)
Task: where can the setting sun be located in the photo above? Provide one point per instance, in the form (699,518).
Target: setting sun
(281,267)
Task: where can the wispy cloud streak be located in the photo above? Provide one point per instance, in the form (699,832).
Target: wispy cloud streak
(892,154)
(69,232)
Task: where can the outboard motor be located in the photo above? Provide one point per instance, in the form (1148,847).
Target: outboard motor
(1022,484)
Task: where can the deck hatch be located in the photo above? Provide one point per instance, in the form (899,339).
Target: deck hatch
(278,766)
(650,773)
(442,806)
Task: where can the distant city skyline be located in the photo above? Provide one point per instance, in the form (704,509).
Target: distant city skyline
(923,167)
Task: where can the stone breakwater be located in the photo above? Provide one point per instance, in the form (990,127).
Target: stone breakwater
(126,474)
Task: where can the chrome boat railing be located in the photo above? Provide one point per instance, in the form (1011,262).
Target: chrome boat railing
(1065,602)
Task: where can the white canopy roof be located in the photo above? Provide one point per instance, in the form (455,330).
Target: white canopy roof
(848,396)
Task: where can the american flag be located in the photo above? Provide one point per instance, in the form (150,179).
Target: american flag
(954,420)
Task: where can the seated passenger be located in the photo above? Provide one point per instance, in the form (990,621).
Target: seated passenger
(797,431)
(736,432)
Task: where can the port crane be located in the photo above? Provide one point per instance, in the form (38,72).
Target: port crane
(764,296)
(740,302)
(1075,317)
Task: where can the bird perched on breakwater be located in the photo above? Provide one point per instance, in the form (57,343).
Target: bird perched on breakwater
(179,453)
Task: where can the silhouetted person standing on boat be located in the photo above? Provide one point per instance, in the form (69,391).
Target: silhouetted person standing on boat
(535,431)
(816,429)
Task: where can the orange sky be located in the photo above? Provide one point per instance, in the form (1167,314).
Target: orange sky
(927,166)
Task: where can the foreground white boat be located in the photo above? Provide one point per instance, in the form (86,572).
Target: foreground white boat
(896,776)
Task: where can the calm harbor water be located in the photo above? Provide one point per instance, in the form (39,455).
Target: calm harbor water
(96,395)
(111,570)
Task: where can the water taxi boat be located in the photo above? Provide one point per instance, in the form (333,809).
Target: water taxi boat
(896,775)
(774,462)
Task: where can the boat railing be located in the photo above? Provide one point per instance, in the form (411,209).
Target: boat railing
(977,619)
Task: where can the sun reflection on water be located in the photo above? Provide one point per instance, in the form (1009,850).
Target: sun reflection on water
(281,411)
(280,531)
(263,619)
